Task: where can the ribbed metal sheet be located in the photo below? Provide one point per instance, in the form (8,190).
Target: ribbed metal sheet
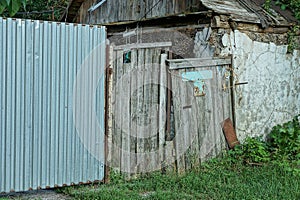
(45,79)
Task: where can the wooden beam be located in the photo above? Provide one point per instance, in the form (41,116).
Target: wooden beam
(153,29)
(143,45)
(198,62)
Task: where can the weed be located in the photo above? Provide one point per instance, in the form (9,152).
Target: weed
(214,180)
(281,148)
(267,5)
(284,140)
(254,150)
(227,177)
(292,38)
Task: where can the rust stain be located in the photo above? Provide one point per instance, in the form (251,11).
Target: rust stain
(229,133)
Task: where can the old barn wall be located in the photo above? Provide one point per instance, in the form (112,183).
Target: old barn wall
(133,10)
(272,94)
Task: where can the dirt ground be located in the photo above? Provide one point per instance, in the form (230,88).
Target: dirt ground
(37,194)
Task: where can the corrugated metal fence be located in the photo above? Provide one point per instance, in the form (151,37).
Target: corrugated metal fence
(48,133)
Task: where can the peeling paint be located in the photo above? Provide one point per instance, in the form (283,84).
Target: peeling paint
(198,78)
(273,93)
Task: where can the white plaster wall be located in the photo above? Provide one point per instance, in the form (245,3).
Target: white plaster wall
(272,95)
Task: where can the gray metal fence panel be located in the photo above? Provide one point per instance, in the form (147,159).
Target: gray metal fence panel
(51,78)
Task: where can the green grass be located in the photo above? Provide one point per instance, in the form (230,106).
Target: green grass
(214,180)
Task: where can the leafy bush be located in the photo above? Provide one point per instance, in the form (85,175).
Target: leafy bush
(293,5)
(253,150)
(281,148)
(284,140)
(38,9)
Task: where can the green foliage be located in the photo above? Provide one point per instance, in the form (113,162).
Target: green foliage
(254,150)
(281,148)
(293,5)
(292,38)
(272,172)
(38,9)
(12,6)
(267,5)
(284,140)
(213,180)
(57,6)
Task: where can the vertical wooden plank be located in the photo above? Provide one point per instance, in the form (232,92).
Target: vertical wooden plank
(193,153)
(170,142)
(148,5)
(190,125)
(186,123)
(124,10)
(177,99)
(225,96)
(133,14)
(140,110)
(187,88)
(147,106)
(110,14)
(162,109)
(126,118)
(196,109)
(179,6)
(174,7)
(127,7)
(208,132)
(217,109)
(223,101)
(142,8)
(159,8)
(205,131)
(163,7)
(169,7)
(120,10)
(201,116)
(188,4)
(154,109)
(117,109)
(226,92)
(133,113)
(109,111)
(117,13)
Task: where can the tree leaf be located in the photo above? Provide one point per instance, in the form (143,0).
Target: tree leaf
(3,5)
(24,2)
(14,7)
(283,6)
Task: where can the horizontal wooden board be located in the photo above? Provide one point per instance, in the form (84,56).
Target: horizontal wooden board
(143,45)
(198,62)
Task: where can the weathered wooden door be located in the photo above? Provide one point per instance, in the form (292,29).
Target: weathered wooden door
(139,73)
(166,113)
(202,101)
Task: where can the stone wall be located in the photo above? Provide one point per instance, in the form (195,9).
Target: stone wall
(272,95)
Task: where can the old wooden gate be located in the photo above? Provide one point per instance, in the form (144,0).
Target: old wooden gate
(166,113)
(52,104)
(200,119)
